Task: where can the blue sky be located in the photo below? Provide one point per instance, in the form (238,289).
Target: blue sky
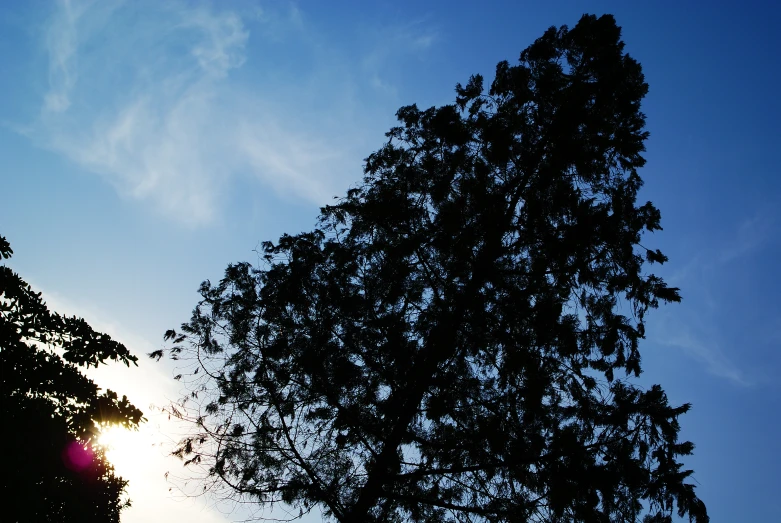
(145,145)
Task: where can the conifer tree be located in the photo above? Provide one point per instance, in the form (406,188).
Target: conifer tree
(456,339)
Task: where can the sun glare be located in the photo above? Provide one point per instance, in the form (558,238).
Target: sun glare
(125,449)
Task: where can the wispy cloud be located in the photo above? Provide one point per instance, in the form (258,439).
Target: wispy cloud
(410,40)
(701,344)
(752,233)
(61,44)
(695,326)
(158,100)
(157,136)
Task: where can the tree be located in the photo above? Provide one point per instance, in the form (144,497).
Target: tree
(457,340)
(52,412)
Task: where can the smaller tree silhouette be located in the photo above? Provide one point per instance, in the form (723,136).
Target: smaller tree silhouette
(51,412)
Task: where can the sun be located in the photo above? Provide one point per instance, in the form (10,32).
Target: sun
(125,449)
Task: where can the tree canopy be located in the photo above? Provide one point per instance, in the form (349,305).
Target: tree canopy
(51,412)
(457,338)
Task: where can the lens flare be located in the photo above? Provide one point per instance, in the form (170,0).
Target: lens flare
(76,456)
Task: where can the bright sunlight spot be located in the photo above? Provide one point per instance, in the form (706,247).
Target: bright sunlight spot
(127,450)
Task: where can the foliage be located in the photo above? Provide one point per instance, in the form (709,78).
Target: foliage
(52,412)
(457,338)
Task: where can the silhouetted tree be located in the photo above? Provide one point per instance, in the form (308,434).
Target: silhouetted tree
(456,340)
(51,412)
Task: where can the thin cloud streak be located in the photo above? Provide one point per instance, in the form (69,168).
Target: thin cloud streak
(61,45)
(752,234)
(165,120)
(697,330)
(412,40)
(681,335)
